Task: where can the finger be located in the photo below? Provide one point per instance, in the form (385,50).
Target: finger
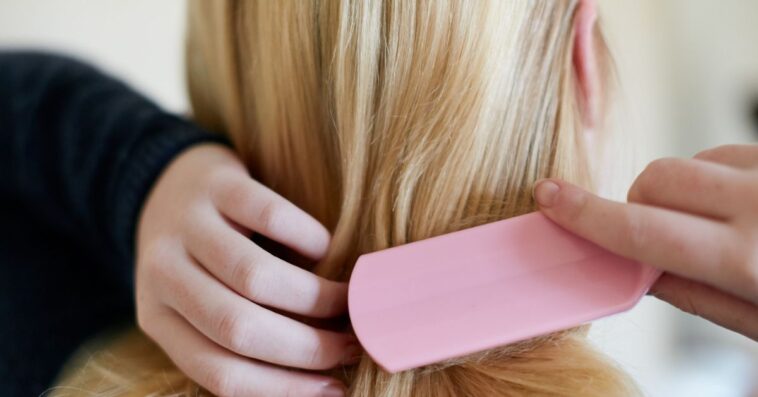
(690,246)
(224,373)
(686,185)
(702,300)
(260,276)
(248,329)
(738,156)
(258,208)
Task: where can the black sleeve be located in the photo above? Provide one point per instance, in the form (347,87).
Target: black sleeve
(81,149)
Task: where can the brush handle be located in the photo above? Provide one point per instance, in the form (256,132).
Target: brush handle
(483,287)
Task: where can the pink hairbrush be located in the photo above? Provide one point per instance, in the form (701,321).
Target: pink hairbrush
(483,287)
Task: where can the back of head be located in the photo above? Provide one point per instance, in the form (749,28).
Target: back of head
(394,121)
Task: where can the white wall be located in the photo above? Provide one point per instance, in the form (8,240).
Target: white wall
(138,40)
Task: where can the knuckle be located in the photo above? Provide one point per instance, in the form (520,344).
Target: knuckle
(157,265)
(316,356)
(241,268)
(637,191)
(226,188)
(158,252)
(144,321)
(220,380)
(220,180)
(223,253)
(236,195)
(158,270)
(163,275)
(658,166)
(714,153)
(268,215)
(707,154)
(233,331)
(195,214)
(656,176)
(658,170)
(636,230)
(246,274)
(646,181)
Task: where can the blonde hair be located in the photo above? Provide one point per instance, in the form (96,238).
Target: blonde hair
(394,121)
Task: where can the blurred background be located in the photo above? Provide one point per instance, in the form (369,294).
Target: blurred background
(688,80)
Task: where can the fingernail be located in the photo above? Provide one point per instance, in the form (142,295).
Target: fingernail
(353,354)
(545,193)
(332,390)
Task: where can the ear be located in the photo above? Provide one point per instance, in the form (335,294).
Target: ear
(585,62)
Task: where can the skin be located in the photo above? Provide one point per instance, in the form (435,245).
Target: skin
(205,291)
(696,219)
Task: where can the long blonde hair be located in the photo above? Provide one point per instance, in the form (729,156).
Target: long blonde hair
(394,121)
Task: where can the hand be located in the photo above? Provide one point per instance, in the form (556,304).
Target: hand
(204,289)
(696,219)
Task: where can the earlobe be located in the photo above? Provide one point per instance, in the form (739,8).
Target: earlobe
(585,62)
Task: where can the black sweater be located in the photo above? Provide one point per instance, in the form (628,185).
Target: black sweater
(78,153)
